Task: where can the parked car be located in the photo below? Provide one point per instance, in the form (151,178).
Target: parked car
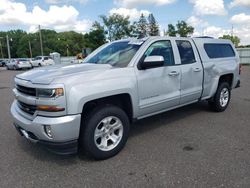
(2,63)
(76,61)
(16,64)
(42,61)
(91,105)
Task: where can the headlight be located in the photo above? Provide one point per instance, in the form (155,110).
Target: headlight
(49,93)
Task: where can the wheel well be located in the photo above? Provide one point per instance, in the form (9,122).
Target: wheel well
(121,100)
(227,78)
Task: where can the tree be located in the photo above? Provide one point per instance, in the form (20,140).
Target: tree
(96,37)
(182,29)
(141,27)
(116,26)
(171,30)
(235,40)
(66,43)
(153,27)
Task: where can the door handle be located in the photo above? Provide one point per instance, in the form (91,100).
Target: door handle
(197,69)
(173,73)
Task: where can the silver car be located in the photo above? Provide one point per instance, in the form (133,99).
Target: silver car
(17,64)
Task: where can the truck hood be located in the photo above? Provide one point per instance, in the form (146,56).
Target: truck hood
(46,75)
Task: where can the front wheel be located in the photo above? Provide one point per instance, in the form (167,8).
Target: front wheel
(104,132)
(222,97)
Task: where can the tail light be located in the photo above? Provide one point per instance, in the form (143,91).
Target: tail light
(17,62)
(240,68)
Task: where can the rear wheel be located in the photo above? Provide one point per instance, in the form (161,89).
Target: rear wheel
(221,98)
(105,132)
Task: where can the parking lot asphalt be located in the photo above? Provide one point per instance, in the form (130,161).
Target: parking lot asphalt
(188,147)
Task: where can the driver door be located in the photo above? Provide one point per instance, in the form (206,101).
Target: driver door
(159,88)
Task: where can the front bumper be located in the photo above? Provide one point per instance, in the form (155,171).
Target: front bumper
(65,130)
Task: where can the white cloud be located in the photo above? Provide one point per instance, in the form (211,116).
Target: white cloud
(56,17)
(216,32)
(209,7)
(65,1)
(242,27)
(242,32)
(241,19)
(134,3)
(235,3)
(133,14)
(196,22)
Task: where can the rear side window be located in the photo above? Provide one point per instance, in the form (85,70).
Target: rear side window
(219,50)
(186,51)
(46,58)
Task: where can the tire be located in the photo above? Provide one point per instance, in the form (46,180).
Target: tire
(14,67)
(103,146)
(221,98)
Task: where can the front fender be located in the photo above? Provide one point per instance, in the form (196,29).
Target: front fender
(80,94)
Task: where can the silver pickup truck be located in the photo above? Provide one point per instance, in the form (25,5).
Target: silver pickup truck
(91,105)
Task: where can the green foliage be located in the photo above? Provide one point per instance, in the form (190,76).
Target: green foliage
(171,30)
(235,40)
(153,27)
(96,37)
(182,29)
(141,27)
(14,39)
(52,42)
(116,26)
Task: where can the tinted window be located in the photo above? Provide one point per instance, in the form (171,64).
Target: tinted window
(186,51)
(46,58)
(219,50)
(161,48)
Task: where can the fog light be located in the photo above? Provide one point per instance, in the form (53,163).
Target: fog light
(48,130)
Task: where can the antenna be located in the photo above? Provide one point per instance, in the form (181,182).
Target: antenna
(232,31)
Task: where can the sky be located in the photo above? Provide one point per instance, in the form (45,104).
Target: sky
(208,17)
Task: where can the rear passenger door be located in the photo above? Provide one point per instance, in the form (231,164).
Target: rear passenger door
(191,72)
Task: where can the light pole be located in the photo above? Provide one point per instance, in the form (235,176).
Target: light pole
(30,49)
(41,40)
(1,47)
(8,46)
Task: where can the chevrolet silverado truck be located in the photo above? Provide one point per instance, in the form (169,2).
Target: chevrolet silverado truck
(90,106)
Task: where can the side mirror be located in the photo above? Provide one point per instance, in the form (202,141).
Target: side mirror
(152,62)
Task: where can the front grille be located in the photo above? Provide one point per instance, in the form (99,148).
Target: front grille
(26,90)
(30,109)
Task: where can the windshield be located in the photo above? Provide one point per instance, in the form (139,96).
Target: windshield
(116,54)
